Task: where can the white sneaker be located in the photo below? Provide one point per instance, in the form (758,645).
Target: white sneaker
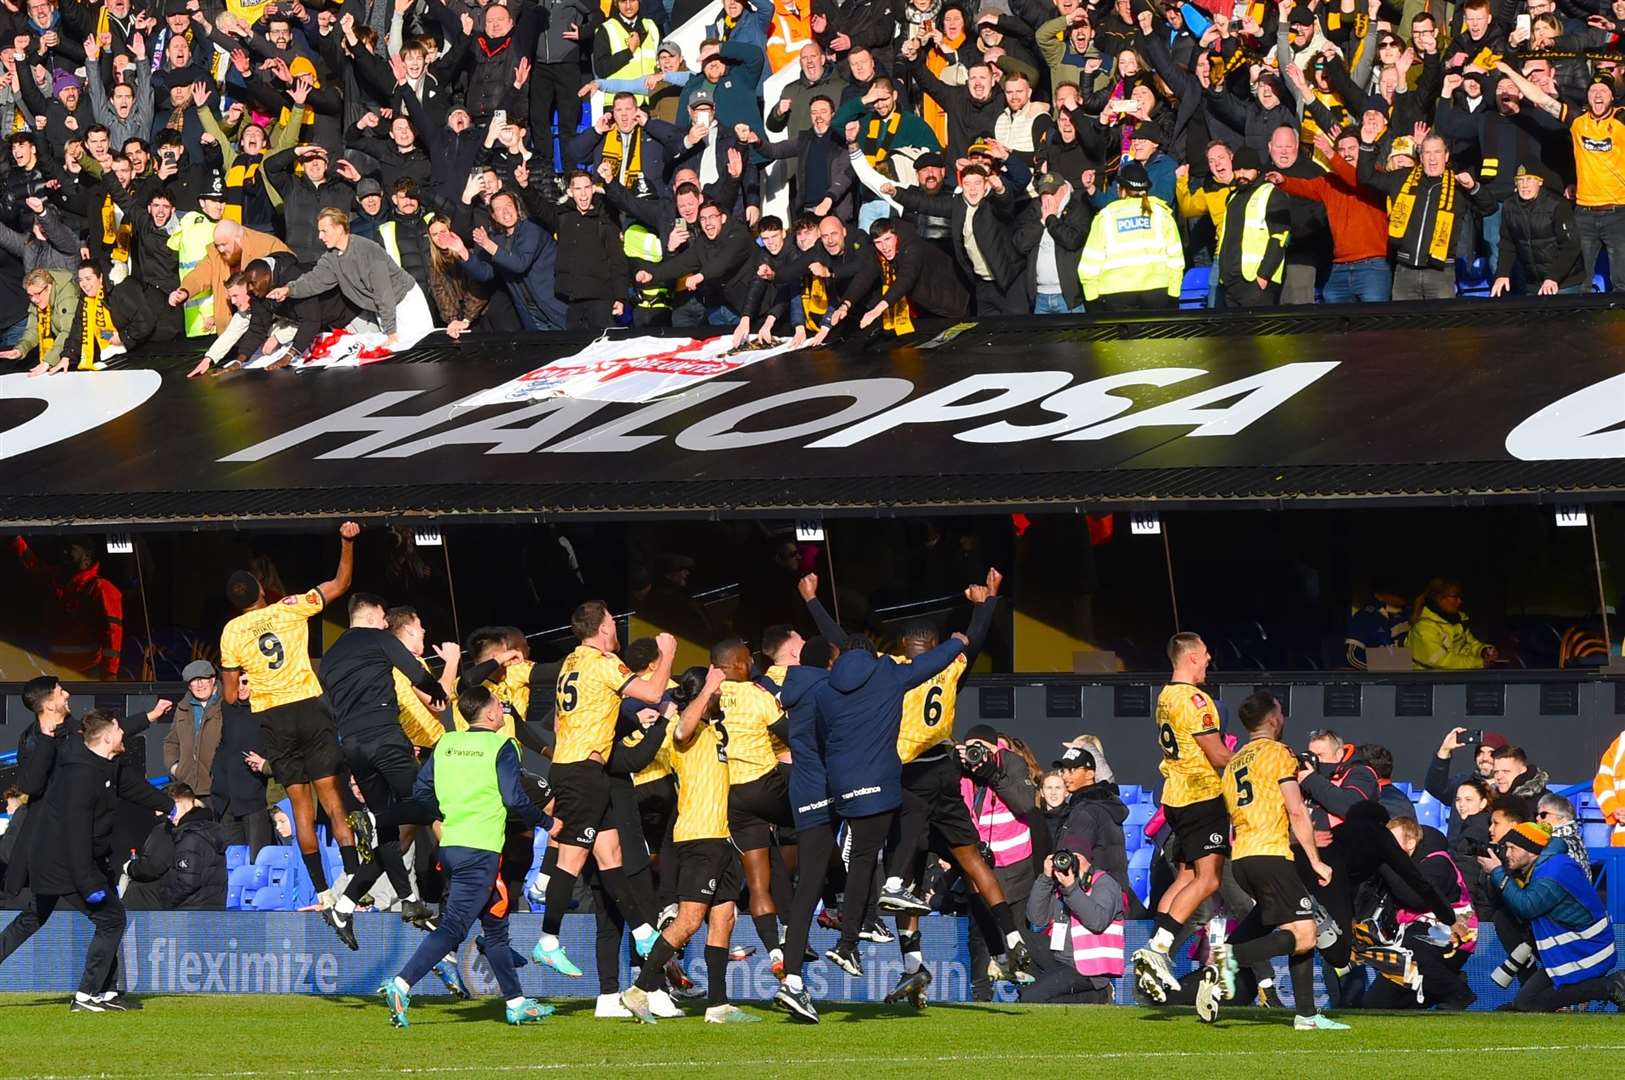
(661,1004)
(668,915)
(610,1007)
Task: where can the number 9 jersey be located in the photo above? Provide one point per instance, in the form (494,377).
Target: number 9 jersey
(1183,713)
(272,646)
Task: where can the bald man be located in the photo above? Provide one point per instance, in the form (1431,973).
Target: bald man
(234,247)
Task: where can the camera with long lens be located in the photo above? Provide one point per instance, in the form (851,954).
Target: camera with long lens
(1064,862)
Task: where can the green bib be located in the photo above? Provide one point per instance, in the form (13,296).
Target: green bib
(465,786)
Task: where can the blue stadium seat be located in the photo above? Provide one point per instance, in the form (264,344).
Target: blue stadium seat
(1430,811)
(1139,873)
(242,883)
(236,855)
(274,897)
(1133,838)
(1129,793)
(1139,813)
(1597,834)
(1193,290)
(277,856)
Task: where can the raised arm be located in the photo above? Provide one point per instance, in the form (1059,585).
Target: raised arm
(340,583)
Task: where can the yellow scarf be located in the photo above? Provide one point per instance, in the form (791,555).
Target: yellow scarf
(96,332)
(237,178)
(616,151)
(1403,205)
(814,298)
(116,237)
(896,316)
(43,329)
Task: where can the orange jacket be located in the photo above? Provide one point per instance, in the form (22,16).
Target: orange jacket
(1610,787)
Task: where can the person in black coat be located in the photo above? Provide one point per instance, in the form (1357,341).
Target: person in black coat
(70,859)
(915,272)
(1095,813)
(182,866)
(592,277)
(1539,242)
(237,785)
(725,254)
(1443,983)
(996,267)
(824,180)
(1055,226)
(39,749)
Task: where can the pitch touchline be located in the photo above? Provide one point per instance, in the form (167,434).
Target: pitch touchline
(1321,1049)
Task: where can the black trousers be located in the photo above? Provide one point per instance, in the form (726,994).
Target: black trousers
(1540,995)
(1144,300)
(1442,980)
(253,829)
(992,300)
(1247,294)
(101,958)
(589,314)
(817,844)
(384,767)
(868,837)
(554,91)
(1058,983)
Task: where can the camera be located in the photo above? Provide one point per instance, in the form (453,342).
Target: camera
(1483,851)
(1308,760)
(980,759)
(1064,862)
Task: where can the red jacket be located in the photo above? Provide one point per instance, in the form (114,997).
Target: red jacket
(1358,216)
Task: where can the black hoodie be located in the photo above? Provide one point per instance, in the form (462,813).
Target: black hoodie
(1094,826)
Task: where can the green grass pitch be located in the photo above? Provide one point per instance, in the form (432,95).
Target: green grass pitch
(222,1038)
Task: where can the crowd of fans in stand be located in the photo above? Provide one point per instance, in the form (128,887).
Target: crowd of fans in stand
(270,173)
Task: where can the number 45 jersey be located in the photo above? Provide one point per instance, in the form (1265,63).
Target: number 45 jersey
(272,646)
(1183,713)
(928,711)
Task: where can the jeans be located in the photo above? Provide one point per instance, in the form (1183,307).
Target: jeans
(1367,281)
(1490,232)
(1413,284)
(721,315)
(1600,229)
(471,893)
(1054,304)
(14,333)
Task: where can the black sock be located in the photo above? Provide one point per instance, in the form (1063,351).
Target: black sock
(1167,922)
(1274,943)
(614,883)
(767,929)
(352,861)
(560,888)
(1302,970)
(1005,920)
(653,975)
(313,866)
(716,975)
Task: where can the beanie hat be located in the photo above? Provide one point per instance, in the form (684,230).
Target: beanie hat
(1530,836)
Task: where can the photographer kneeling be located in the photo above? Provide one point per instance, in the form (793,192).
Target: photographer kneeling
(1080,908)
(1574,938)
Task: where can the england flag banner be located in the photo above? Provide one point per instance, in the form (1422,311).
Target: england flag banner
(628,370)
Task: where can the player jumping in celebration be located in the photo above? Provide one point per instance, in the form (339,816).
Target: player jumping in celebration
(707,865)
(1193,756)
(271,644)
(591,683)
(753,728)
(1268,813)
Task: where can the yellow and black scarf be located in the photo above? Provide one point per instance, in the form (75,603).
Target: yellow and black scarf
(617,150)
(96,331)
(1403,205)
(43,328)
(115,236)
(881,134)
(896,316)
(814,299)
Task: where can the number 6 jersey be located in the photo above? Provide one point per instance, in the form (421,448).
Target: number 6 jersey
(928,711)
(1183,713)
(272,646)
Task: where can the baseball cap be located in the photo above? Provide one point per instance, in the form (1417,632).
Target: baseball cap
(1301,16)
(1403,145)
(1076,757)
(1049,184)
(368,186)
(197,669)
(701,97)
(929,160)
(670,46)
(980,146)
